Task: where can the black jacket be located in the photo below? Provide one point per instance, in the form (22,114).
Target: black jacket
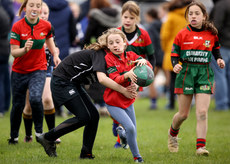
(99,21)
(4,34)
(221,19)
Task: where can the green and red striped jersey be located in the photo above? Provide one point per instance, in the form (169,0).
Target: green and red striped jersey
(34,59)
(117,66)
(193,46)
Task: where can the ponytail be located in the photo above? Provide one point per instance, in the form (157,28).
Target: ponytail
(94,46)
(103,39)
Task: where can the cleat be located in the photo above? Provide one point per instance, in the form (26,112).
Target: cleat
(37,135)
(153,106)
(12,141)
(138,160)
(49,146)
(28,139)
(124,143)
(172,143)
(58,141)
(126,146)
(117,145)
(202,151)
(87,156)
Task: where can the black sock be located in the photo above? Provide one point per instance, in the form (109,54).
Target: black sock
(50,118)
(28,123)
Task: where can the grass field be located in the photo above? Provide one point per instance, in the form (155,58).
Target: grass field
(152,129)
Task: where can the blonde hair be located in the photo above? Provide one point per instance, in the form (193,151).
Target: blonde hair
(206,23)
(23,5)
(132,8)
(45,4)
(102,40)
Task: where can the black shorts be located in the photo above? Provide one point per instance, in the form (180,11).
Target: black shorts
(64,90)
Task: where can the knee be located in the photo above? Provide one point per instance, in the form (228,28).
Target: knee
(131,130)
(85,119)
(183,116)
(93,117)
(47,103)
(201,115)
(27,110)
(35,101)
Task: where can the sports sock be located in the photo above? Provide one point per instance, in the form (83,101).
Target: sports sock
(174,132)
(153,100)
(200,142)
(50,118)
(153,103)
(28,123)
(118,139)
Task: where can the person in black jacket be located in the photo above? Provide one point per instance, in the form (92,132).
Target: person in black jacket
(221,18)
(153,27)
(5,27)
(80,68)
(102,16)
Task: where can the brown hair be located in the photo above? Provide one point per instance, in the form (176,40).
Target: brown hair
(102,41)
(133,8)
(152,12)
(23,5)
(177,4)
(206,23)
(99,4)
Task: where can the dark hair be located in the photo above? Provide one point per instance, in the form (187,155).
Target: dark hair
(153,13)
(206,23)
(99,4)
(176,4)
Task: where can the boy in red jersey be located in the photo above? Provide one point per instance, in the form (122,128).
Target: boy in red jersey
(28,36)
(194,46)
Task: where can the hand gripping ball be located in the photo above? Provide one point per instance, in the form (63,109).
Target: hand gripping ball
(145,75)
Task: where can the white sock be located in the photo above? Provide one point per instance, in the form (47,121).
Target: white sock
(38,134)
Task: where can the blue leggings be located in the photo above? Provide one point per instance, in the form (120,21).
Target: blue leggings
(33,81)
(127,118)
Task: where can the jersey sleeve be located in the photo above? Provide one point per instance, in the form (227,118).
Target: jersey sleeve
(113,72)
(216,49)
(50,31)
(217,43)
(98,61)
(175,52)
(15,35)
(149,45)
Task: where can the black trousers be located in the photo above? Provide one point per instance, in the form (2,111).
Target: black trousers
(85,114)
(33,81)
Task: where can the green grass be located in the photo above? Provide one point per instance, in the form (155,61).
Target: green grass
(152,130)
